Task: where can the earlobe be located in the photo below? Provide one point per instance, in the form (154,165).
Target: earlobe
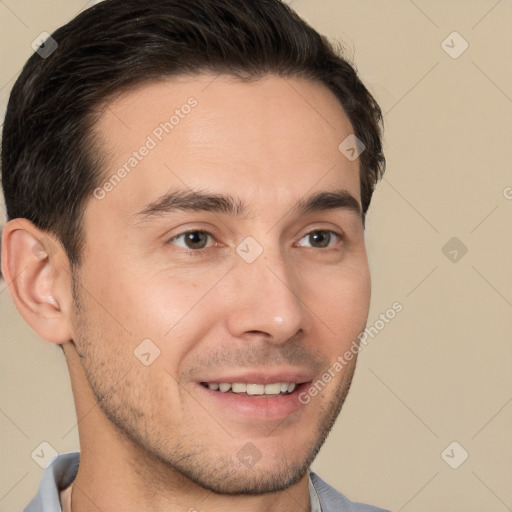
(35,270)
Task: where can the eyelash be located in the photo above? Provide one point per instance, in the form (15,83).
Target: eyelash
(201,252)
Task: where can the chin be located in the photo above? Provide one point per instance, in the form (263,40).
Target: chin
(251,480)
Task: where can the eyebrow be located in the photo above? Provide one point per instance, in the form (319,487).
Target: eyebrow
(190,200)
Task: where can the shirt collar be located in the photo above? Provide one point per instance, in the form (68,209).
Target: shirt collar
(58,475)
(313,496)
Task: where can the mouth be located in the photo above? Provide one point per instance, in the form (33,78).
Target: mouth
(249,401)
(252,389)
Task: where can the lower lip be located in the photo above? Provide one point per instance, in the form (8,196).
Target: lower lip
(260,407)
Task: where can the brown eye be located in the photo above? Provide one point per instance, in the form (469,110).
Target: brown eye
(193,239)
(321,238)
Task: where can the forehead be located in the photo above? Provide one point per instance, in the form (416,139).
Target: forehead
(269,140)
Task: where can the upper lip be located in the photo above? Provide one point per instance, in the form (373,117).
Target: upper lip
(259,377)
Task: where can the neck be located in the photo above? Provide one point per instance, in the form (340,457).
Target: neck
(112,482)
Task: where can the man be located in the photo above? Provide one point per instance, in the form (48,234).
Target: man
(186,184)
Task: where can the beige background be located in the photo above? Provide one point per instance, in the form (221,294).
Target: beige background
(441,370)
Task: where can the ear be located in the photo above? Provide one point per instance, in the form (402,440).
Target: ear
(37,272)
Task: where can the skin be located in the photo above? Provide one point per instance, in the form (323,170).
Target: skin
(149,440)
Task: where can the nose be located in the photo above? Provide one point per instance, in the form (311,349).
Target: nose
(266,299)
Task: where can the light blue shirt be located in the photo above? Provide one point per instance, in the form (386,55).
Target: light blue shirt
(63,469)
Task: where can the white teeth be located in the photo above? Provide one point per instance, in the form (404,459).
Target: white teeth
(238,387)
(255,389)
(274,388)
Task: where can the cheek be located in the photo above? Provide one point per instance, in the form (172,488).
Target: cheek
(343,301)
(141,303)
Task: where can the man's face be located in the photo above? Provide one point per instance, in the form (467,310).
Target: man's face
(271,296)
